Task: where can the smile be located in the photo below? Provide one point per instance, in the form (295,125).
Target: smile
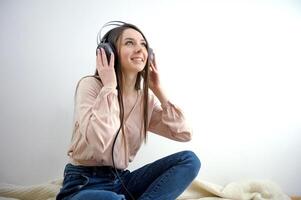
(137,59)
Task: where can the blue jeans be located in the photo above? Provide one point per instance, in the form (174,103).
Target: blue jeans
(164,179)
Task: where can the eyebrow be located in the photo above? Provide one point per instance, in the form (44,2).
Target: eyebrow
(142,40)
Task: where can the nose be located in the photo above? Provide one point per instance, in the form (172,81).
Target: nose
(138,48)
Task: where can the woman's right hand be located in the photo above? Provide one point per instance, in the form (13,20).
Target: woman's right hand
(106,70)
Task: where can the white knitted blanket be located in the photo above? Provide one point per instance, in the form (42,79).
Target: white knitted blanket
(198,190)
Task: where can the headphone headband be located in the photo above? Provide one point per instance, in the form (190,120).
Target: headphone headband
(110,23)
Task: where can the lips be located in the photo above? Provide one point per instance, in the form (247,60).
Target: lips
(137,59)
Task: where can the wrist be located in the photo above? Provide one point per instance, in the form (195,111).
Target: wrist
(157,90)
(160,94)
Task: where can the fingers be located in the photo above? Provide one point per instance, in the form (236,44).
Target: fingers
(102,60)
(112,60)
(98,58)
(153,67)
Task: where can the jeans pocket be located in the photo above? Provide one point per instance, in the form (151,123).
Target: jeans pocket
(76,179)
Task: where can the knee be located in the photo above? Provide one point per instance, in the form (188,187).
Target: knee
(192,162)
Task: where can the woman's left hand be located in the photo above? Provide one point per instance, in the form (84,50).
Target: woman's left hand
(154,82)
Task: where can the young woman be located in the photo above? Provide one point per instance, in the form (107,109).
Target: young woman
(114,111)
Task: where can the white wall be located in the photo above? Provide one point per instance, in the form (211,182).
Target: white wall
(233,67)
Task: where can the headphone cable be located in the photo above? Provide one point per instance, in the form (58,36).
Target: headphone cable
(127,191)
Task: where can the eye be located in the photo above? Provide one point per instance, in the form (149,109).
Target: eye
(143,44)
(129,42)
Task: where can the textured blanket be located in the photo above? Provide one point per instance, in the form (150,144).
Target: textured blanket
(198,190)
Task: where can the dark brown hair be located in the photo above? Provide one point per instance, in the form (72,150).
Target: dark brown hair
(112,38)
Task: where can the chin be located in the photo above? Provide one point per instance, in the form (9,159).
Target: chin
(135,67)
(139,67)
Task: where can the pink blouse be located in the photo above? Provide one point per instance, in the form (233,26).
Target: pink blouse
(96,121)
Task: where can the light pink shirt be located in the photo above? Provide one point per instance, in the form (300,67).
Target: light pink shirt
(96,121)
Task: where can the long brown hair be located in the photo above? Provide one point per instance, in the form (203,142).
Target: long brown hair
(112,38)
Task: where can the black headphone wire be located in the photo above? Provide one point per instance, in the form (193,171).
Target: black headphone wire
(115,169)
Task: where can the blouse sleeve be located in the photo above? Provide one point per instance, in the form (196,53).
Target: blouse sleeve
(97,111)
(168,120)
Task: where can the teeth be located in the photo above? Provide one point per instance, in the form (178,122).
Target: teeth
(137,59)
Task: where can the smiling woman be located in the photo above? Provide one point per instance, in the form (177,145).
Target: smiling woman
(233,67)
(112,118)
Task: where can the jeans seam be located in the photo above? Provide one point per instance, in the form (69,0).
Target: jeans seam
(158,185)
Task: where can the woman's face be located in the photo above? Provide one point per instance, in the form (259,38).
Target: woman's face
(132,51)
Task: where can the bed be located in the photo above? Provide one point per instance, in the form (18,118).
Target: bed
(198,190)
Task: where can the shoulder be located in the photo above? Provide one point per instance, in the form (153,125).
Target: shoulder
(89,81)
(89,84)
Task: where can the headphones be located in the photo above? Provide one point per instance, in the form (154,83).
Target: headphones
(102,41)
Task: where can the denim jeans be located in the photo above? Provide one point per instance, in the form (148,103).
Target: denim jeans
(164,179)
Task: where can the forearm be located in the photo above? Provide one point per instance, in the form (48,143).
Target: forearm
(161,95)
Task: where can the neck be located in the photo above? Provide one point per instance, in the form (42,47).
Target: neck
(129,81)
